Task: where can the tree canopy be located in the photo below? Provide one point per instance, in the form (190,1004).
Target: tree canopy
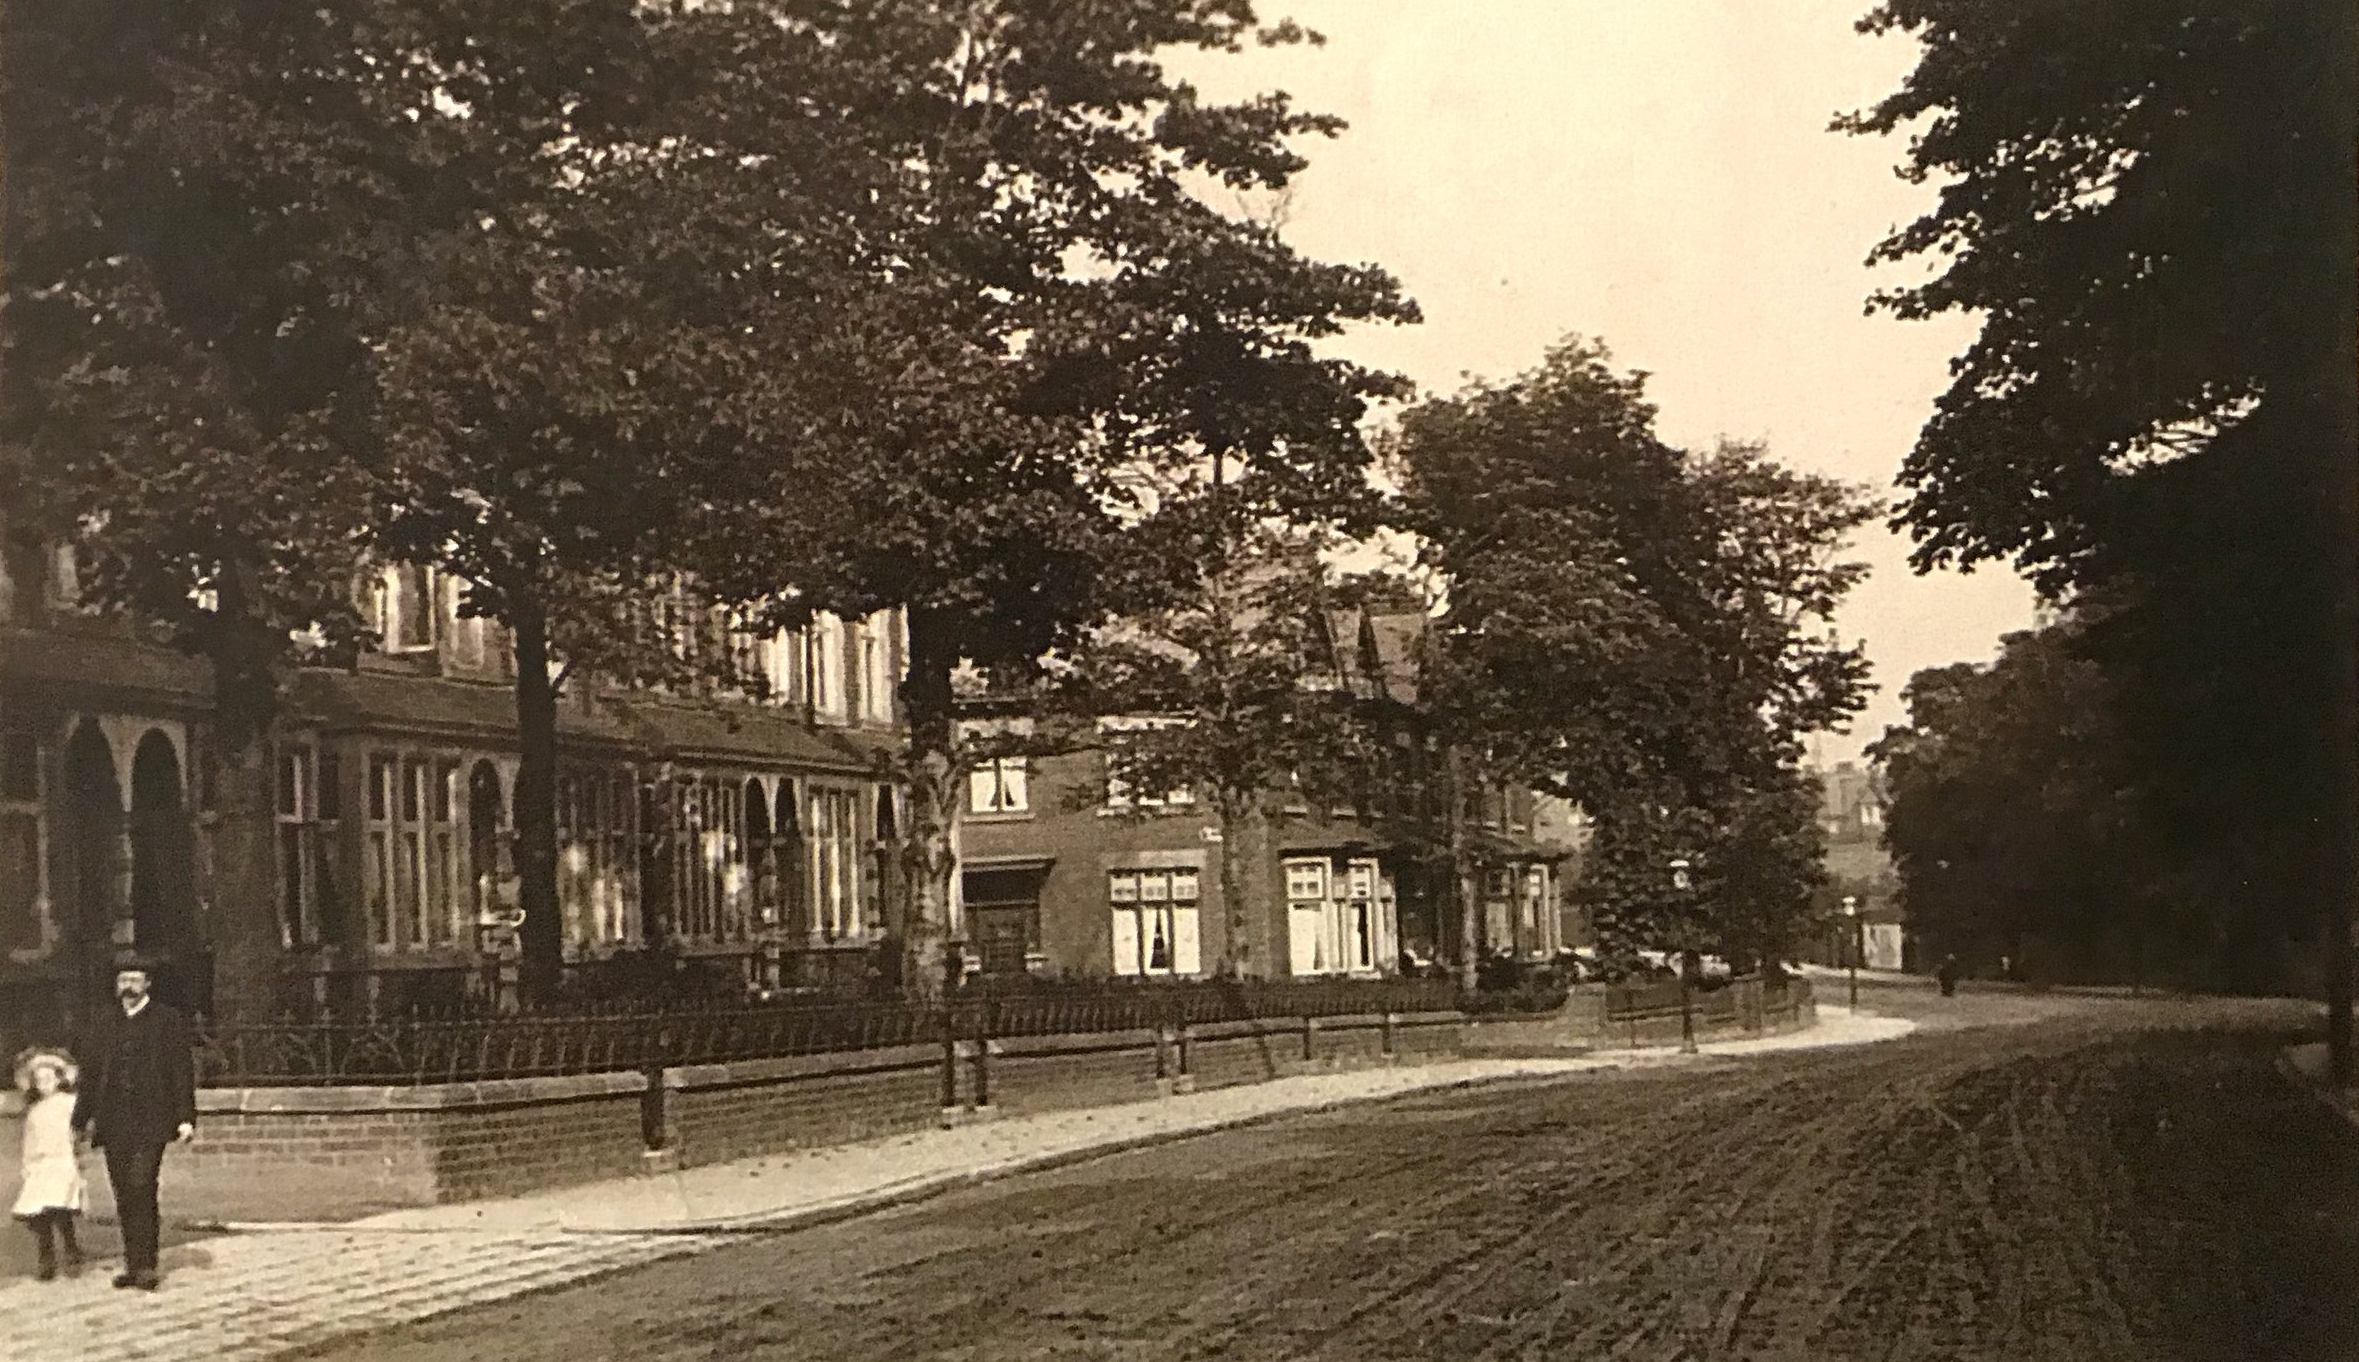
(1638,628)
(2151,207)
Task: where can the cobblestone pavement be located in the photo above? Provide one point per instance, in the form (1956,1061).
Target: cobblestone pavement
(255,1295)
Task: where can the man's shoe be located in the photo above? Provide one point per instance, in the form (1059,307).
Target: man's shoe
(146,1281)
(124,1279)
(46,1272)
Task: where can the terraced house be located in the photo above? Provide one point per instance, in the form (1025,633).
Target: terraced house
(745,836)
(1068,868)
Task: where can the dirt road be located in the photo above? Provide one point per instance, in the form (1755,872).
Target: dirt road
(2093,1180)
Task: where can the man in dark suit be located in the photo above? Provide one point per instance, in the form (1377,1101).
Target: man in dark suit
(138,1095)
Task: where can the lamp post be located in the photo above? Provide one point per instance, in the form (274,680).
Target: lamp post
(1857,945)
(1687,1016)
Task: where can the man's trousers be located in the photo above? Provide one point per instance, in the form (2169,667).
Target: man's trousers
(133,1172)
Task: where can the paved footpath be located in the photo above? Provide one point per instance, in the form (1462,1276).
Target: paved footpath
(270,1290)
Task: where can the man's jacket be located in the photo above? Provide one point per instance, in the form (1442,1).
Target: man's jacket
(138,1080)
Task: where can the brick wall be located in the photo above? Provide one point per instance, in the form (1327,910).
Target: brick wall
(1062,1073)
(720,1112)
(302,1153)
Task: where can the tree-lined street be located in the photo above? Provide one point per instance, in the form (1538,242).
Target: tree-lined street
(2062,1177)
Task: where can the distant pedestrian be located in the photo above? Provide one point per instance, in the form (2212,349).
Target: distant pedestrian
(1948,974)
(49,1199)
(141,1097)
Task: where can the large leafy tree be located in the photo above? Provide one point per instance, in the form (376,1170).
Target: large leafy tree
(190,238)
(1234,690)
(1076,316)
(1638,628)
(518,291)
(595,390)
(2151,208)
(2018,833)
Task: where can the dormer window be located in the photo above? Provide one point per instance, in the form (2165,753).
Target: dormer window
(470,635)
(876,668)
(827,665)
(404,607)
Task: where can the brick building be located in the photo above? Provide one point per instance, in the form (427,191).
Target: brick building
(747,836)
(1066,869)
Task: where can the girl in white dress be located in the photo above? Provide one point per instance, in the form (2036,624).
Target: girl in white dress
(51,1196)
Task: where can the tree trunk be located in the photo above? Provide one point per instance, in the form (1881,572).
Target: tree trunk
(244,928)
(542,936)
(1244,864)
(1462,887)
(929,852)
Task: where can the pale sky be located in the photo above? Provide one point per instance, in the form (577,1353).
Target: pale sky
(1657,174)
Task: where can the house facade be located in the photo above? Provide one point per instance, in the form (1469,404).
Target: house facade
(747,837)
(1067,869)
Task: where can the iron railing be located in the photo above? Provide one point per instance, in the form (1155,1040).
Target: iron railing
(421,1049)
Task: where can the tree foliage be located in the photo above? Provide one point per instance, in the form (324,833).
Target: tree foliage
(1083,320)
(2020,833)
(2151,207)
(1637,627)
(801,306)
(1230,690)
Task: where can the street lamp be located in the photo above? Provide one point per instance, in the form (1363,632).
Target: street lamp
(1687,1016)
(1857,944)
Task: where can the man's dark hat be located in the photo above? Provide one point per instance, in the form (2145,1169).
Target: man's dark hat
(138,960)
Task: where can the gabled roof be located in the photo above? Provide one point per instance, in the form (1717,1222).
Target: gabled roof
(1396,637)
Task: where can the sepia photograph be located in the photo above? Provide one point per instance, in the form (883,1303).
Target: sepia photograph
(1312,680)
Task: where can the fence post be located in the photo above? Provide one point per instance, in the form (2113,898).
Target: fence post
(983,1030)
(1184,1039)
(655,1109)
(1310,1039)
(949,1059)
(1162,1051)
(1390,1020)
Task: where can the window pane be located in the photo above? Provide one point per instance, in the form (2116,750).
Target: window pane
(380,788)
(290,893)
(413,779)
(442,869)
(290,783)
(1154,887)
(1126,941)
(1157,928)
(328,796)
(1123,888)
(1187,950)
(1184,886)
(408,870)
(415,601)
(381,888)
